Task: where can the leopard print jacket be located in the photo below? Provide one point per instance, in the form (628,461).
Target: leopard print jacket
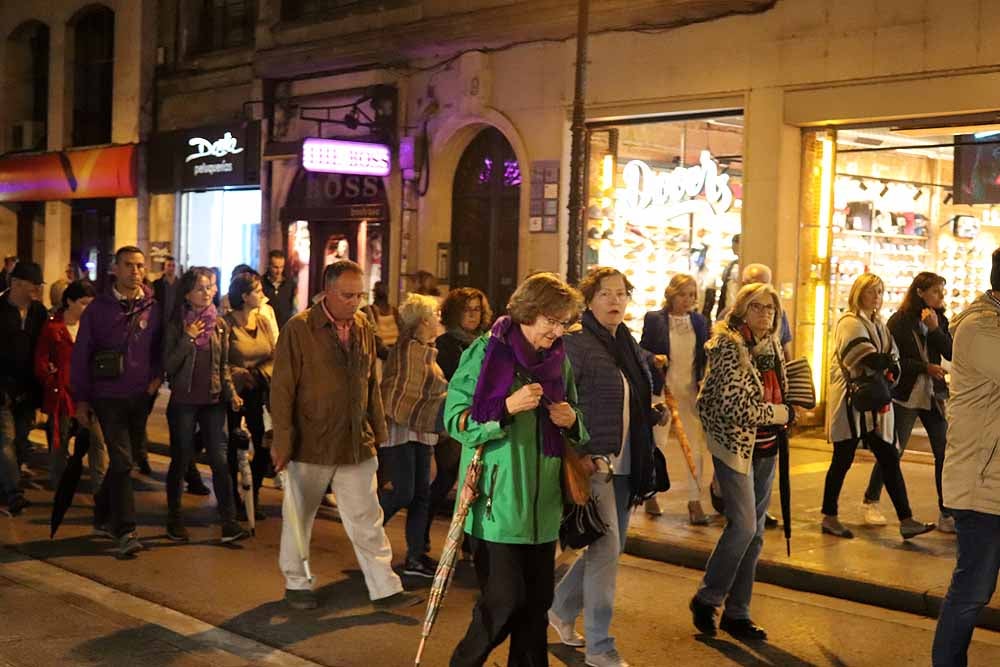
(731,402)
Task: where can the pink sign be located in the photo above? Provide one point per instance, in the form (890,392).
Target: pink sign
(334,156)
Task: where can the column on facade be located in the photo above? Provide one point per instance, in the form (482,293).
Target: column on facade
(58,227)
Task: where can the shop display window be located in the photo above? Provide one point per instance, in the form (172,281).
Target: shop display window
(665,197)
(221,228)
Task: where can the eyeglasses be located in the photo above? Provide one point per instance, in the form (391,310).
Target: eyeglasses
(760,308)
(557,324)
(608,295)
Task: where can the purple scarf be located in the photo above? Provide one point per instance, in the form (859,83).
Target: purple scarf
(507,354)
(208,316)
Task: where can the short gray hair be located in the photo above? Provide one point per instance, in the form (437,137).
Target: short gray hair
(755,273)
(339,268)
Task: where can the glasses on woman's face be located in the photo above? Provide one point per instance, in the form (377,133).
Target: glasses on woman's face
(613,295)
(762,308)
(553,323)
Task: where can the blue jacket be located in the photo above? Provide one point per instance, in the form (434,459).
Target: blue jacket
(656,339)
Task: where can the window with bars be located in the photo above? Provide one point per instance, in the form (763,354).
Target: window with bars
(294,10)
(224,24)
(93,80)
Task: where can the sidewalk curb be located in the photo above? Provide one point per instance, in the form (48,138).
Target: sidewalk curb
(810,581)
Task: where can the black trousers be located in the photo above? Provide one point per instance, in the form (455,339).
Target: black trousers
(253,411)
(447,456)
(517,582)
(892,475)
(123,421)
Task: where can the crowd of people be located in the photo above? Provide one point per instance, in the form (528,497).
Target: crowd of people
(365,402)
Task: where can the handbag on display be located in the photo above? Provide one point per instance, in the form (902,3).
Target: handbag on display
(801,391)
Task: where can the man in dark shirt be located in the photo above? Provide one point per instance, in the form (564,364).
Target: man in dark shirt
(280,290)
(21,319)
(165,287)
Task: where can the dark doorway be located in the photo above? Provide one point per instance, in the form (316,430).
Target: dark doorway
(484,219)
(29,216)
(92,237)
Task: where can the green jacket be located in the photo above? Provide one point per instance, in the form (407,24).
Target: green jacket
(523,483)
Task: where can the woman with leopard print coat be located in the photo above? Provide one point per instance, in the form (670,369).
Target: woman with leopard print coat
(742,410)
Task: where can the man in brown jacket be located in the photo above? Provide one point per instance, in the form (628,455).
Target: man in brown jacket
(328,421)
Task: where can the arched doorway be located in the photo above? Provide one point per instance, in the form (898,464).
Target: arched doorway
(484,218)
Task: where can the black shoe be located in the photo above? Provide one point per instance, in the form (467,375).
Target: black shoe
(128,544)
(103,530)
(176,532)
(770,521)
(400,600)
(742,628)
(703,616)
(301,600)
(198,488)
(17,505)
(232,531)
(144,468)
(425,566)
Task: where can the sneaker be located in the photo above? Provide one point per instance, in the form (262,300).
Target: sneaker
(176,532)
(425,566)
(567,633)
(911,528)
(770,521)
(703,616)
(277,482)
(946,523)
(103,530)
(400,600)
(232,531)
(301,599)
(128,544)
(17,505)
(873,514)
(831,526)
(26,472)
(198,488)
(742,628)
(609,659)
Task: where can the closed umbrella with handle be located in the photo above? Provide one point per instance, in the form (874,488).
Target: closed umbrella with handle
(70,479)
(785,488)
(294,516)
(678,430)
(449,556)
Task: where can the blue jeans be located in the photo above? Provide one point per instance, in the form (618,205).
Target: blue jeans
(731,568)
(10,472)
(972,585)
(589,585)
(408,467)
(211,419)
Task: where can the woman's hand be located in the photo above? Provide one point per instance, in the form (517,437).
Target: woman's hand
(236,402)
(661,361)
(935,371)
(195,329)
(930,319)
(562,414)
(524,399)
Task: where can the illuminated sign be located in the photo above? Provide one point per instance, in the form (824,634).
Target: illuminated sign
(227,145)
(199,158)
(333,156)
(662,195)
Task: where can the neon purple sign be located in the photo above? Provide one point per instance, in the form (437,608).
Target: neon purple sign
(333,156)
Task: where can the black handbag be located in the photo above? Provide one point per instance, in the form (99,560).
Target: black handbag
(581,525)
(107,364)
(661,480)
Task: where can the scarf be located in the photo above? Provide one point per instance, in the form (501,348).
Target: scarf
(209,315)
(463,336)
(624,351)
(507,353)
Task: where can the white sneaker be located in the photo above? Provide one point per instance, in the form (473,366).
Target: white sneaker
(609,659)
(873,514)
(946,524)
(567,633)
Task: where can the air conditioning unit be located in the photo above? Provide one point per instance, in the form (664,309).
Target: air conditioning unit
(26,135)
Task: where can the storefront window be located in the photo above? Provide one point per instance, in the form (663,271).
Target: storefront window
(664,198)
(221,228)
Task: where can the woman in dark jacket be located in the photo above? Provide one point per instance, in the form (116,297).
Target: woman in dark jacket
(613,379)
(195,358)
(920,330)
(684,371)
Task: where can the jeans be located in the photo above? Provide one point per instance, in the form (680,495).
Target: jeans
(972,585)
(515,581)
(24,419)
(123,422)
(408,467)
(937,431)
(211,419)
(253,412)
(885,454)
(731,568)
(589,585)
(10,472)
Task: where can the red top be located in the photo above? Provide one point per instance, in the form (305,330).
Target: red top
(54,350)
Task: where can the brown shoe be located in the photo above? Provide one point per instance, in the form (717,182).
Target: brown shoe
(696,515)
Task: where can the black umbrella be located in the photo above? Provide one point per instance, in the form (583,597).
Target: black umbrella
(63,499)
(785,488)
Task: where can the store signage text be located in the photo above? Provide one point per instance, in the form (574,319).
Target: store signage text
(674,192)
(333,156)
(226,145)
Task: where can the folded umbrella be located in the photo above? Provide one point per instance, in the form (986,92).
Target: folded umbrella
(785,488)
(63,499)
(245,484)
(293,511)
(449,556)
(678,429)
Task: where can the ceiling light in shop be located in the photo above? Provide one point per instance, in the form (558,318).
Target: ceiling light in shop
(920,193)
(945,130)
(861,185)
(948,199)
(885,189)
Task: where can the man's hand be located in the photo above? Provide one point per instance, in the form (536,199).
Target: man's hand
(83,413)
(154,386)
(279,460)
(524,399)
(562,414)
(935,371)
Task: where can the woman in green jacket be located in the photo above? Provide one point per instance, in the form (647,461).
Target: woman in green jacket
(513,394)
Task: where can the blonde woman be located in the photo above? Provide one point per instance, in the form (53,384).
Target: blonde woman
(413,389)
(864,349)
(677,336)
(742,410)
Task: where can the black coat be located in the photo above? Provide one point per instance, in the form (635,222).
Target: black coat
(17,353)
(282,299)
(450,351)
(903,326)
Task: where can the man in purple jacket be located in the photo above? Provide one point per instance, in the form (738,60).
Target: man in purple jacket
(116,367)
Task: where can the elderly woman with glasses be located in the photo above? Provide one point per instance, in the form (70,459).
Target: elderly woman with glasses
(513,395)
(742,410)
